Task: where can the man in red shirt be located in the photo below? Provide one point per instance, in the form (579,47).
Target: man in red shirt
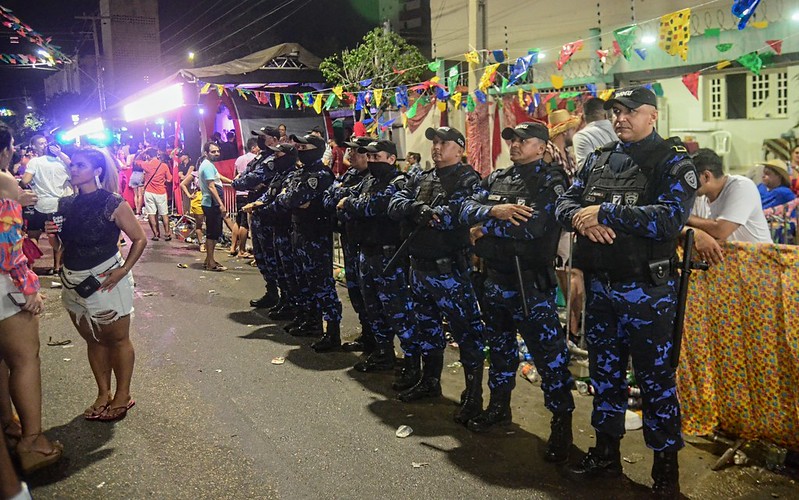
(156,175)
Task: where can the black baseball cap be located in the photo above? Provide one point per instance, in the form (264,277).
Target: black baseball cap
(313,140)
(446,134)
(272,131)
(283,147)
(632,97)
(527,130)
(358,142)
(316,129)
(377,146)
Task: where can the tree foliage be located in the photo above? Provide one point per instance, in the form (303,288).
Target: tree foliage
(377,57)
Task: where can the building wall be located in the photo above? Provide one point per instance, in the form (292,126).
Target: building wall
(131,46)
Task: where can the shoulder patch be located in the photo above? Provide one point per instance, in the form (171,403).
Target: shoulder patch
(313,182)
(559,189)
(690,179)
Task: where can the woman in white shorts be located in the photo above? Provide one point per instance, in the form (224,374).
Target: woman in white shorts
(97,282)
(20,305)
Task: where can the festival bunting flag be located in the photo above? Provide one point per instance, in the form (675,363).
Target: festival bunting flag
(603,56)
(714,32)
(557,81)
(434,65)
(743,10)
(675,32)
(642,53)
(723,47)
(470,104)
(452,79)
(378,95)
(499,55)
(317,105)
(488,77)
(338,90)
(480,96)
(473,57)
(567,51)
(691,82)
(723,64)
(625,37)
(776,46)
(751,61)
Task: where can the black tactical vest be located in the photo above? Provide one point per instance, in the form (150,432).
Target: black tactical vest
(433,243)
(279,218)
(629,256)
(313,217)
(524,189)
(376,232)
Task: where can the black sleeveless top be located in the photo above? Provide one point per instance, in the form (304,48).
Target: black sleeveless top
(88,233)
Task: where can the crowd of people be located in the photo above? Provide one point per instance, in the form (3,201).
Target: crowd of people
(595,205)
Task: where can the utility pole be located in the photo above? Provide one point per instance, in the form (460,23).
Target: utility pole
(477,36)
(97,61)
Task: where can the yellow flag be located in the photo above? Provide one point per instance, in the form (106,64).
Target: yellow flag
(378,95)
(338,91)
(456,98)
(206,88)
(759,24)
(442,105)
(723,64)
(435,79)
(520,96)
(317,104)
(488,75)
(557,81)
(605,94)
(404,120)
(473,57)
(220,89)
(277,100)
(675,32)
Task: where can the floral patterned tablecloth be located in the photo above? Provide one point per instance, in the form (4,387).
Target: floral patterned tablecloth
(739,369)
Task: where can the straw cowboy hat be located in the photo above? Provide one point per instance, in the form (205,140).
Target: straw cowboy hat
(781,168)
(561,120)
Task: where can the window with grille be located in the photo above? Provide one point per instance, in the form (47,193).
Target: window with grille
(746,96)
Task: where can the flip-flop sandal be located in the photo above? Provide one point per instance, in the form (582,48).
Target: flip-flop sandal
(155,238)
(217,268)
(167,238)
(108,414)
(94,412)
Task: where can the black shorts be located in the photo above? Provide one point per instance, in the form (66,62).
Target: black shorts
(213,222)
(241,216)
(37,219)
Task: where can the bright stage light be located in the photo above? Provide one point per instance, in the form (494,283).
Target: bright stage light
(90,127)
(154,104)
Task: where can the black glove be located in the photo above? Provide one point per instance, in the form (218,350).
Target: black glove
(422,213)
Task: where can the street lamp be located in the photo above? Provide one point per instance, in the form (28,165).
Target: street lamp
(191,56)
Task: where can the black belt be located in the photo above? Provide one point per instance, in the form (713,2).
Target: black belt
(656,272)
(538,278)
(371,250)
(444,265)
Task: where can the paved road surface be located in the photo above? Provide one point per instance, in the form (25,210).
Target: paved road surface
(215,419)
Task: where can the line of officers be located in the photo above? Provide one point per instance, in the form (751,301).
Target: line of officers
(627,205)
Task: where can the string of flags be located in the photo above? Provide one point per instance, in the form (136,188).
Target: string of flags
(500,74)
(12,22)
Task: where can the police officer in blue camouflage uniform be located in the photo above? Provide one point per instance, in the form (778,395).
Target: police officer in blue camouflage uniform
(279,217)
(514,214)
(440,266)
(313,241)
(386,294)
(628,205)
(349,179)
(255,180)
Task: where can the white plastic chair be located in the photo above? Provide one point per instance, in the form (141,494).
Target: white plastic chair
(722,142)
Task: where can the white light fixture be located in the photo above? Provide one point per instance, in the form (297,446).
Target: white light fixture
(541,55)
(795,16)
(86,128)
(191,56)
(202,111)
(648,39)
(156,103)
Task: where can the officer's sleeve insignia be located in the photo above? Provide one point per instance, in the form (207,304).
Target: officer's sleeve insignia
(690,178)
(559,190)
(313,182)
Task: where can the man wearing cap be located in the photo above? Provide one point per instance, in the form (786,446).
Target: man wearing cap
(386,295)
(727,208)
(266,207)
(351,178)
(430,204)
(513,215)
(255,179)
(313,238)
(775,190)
(628,205)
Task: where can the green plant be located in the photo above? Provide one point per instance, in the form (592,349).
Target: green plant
(381,56)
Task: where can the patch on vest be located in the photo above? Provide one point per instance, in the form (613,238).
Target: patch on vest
(559,190)
(690,178)
(616,199)
(313,182)
(630,199)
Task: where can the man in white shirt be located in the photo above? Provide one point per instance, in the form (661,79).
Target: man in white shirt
(728,208)
(597,132)
(48,177)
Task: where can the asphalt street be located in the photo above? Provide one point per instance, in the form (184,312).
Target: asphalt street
(214,418)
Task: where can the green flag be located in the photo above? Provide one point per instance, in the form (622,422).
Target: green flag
(751,61)
(626,38)
(434,65)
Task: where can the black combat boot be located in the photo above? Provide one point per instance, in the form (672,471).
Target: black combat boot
(603,460)
(288,311)
(299,316)
(473,402)
(666,473)
(430,384)
(362,342)
(331,340)
(498,413)
(270,298)
(281,302)
(410,375)
(381,360)
(311,327)
(560,438)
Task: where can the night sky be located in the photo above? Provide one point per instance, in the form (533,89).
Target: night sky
(321,26)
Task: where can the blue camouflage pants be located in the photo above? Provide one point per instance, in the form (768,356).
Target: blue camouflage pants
(352,275)
(264,249)
(437,295)
(287,278)
(541,331)
(388,302)
(635,319)
(314,249)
